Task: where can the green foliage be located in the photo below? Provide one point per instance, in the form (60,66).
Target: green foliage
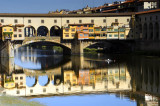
(90,50)
(42,39)
(43,47)
(57,48)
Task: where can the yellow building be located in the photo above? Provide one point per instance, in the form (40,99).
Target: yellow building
(8,82)
(92,76)
(115,31)
(70,77)
(7,33)
(91,31)
(69,32)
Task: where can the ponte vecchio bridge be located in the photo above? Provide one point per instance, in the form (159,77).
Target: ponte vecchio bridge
(23,29)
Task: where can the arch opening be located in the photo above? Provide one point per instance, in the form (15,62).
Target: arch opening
(140,30)
(42,31)
(29,31)
(43,80)
(55,31)
(31,81)
(150,31)
(157,30)
(145,31)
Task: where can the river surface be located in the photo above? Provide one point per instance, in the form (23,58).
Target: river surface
(43,77)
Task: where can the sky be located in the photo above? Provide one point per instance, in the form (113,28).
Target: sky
(44,6)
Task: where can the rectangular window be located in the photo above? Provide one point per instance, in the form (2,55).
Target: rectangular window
(44,89)
(67,35)
(73,29)
(42,21)
(19,30)
(80,21)
(92,21)
(20,35)
(81,35)
(15,21)
(15,35)
(121,29)
(21,78)
(67,30)
(15,29)
(2,20)
(116,20)
(55,21)
(127,20)
(104,20)
(116,30)
(18,92)
(90,25)
(85,34)
(110,35)
(85,30)
(85,25)
(115,35)
(67,21)
(90,30)
(97,29)
(10,29)
(4,29)
(29,21)
(16,78)
(31,90)
(122,35)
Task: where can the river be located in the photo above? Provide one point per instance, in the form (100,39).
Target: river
(45,77)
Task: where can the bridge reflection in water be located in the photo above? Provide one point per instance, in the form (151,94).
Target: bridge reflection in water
(136,78)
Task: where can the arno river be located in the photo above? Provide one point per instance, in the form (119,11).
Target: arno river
(45,77)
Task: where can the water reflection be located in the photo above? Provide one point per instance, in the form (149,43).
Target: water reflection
(132,77)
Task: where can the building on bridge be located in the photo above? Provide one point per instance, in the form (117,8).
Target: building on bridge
(18,32)
(90,31)
(8,82)
(12,32)
(7,32)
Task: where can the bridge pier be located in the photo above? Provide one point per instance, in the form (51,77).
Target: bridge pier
(77,47)
(7,49)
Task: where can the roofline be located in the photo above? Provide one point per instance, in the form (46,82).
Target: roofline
(146,12)
(65,15)
(82,24)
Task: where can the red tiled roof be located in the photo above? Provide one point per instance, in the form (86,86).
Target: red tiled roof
(147,0)
(129,1)
(106,6)
(105,11)
(150,11)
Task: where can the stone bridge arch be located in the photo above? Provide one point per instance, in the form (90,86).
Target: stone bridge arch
(52,40)
(37,81)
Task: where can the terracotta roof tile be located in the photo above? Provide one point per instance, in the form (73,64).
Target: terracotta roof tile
(150,11)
